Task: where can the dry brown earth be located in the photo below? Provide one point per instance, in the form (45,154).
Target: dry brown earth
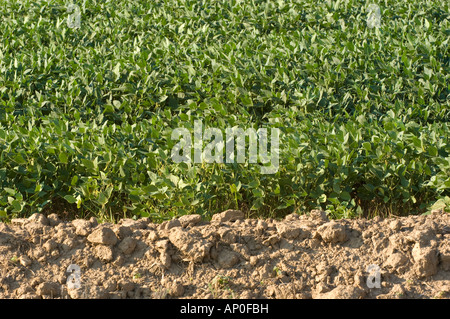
(302,256)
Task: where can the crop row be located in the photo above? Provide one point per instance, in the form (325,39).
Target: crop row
(86,114)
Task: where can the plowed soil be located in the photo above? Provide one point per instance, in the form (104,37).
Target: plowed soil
(301,256)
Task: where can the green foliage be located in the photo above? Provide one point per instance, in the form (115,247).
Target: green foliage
(86,114)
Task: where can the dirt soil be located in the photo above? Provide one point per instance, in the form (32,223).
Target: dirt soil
(301,256)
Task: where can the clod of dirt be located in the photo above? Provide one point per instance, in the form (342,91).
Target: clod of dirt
(190,220)
(423,236)
(127,245)
(103,235)
(332,232)
(397,262)
(50,245)
(82,227)
(134,224)
(227,258)
(426,260)
(193,248)
(48,288)
(152,235)
(272,240)
(162,245)
(290,231)
(292,217)
(227,235)
(318,215)
(53,219)
(254,260)
(165,259)
(229,215)
(104,253)
(126,285)
(34,228)
(395,225)
(242,250)
(39,219)
(175,288)
(122,231)
(170,224)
